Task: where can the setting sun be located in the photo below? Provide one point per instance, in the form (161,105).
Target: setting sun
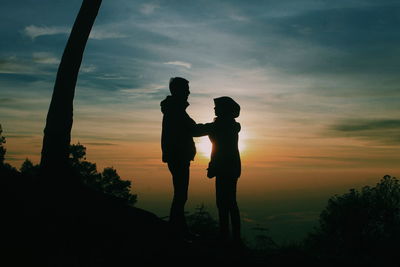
(203,146)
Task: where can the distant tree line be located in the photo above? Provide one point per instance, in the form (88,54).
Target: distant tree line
(2,148)
(108,181)
(358,228)
(3,165)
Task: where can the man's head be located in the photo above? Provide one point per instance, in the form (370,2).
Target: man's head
(179,87)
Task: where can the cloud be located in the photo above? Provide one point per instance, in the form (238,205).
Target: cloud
(7,158)
(111,77)
(12,65)
(239,18)
(45,58)
(383,131)
(100,144)
(19,136)
(359,126)
(37,64)
(98,33)
(101,34)
(6,100)
(179,63)
(148,8)
(36,31)
(151,88)
(88,69)
(330,158)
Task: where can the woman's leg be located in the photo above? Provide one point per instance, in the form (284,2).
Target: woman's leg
(234,210)
(223,207)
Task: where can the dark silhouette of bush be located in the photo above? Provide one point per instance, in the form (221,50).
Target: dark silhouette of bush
(108,182)
(5,167)
(29,169)
(201,222)
(262,240)
(361,226)
(2,148)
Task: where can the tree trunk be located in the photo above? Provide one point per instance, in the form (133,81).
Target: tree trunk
(57,133)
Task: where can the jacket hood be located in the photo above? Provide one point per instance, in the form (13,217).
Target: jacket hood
(171,103)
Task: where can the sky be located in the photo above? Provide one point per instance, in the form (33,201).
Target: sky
(317,82)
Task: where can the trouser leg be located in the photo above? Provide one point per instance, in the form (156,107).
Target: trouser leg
(234,212)
(180,178)
(223,211)
(227,206)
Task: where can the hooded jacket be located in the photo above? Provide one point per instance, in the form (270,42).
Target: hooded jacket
(177,130)
(225,156)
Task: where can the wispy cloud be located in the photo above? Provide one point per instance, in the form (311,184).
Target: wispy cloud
(100,144)
(383,131)
(148,8)
(110,77)
(88,69)
(151,88)
(13,65)
(35,64)
(36,31)
(179,63)
(19,136)
(5,100)
(45,58)
(239,18)
(367,125)
(99,33)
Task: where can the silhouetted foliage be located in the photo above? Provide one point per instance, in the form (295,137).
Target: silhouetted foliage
(112,184)
(362,227)
(108,181)
(29,169)
(2,148)
(4,166)
(262,240)
(202,223)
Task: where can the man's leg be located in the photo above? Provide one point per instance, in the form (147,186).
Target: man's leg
(180,179)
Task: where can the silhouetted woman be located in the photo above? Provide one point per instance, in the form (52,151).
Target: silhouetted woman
(225,164)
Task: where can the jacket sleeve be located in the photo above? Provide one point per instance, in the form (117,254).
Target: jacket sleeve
(201,129)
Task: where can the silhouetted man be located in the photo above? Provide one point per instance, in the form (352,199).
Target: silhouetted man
(178,148)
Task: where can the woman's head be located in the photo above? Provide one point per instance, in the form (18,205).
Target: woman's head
(226,107)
